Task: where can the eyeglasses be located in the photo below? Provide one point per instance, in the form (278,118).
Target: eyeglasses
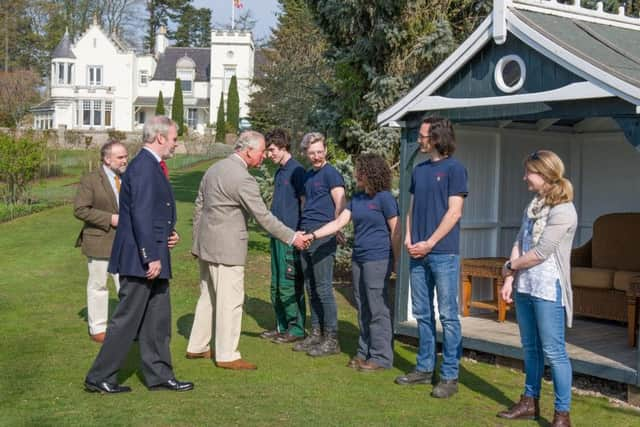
(534,156)
(423,137)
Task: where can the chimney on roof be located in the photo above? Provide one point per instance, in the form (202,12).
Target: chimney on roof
(162,41)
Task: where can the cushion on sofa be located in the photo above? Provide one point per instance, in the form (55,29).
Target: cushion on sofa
(621,279)
(598,278)
(614,242)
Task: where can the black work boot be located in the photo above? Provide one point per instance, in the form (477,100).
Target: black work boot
(327,347)
(314,338)
(445,389)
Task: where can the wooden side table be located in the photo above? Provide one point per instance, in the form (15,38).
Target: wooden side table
(490,268)
(633,295)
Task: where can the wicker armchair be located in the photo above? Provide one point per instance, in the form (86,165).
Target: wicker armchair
(602,269)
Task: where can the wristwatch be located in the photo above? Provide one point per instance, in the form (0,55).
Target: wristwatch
(508,266)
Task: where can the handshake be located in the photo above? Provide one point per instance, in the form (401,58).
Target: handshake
(302,240)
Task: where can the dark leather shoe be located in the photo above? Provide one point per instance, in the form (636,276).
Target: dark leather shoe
(445,389)
(415,377)
(286,339)
(237,365)
(203,355)
(313,339)
(355,362)
(105,387)
(268,335)
(173,385)
(527,408)
(370,366)
(561,419)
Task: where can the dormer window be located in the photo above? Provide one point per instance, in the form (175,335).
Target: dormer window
(186,72)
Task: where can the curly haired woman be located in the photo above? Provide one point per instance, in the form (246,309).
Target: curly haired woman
(374,212)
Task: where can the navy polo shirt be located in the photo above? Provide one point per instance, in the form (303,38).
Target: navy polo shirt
(319,208)
(288,188)
(432,183)
(372,237)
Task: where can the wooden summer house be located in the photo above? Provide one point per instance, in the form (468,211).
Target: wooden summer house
(538,74)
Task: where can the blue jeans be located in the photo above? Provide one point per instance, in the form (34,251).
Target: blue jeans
(317,265)
(442,273)
(541,325)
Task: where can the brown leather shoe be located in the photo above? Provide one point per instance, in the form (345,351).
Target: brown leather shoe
(355,362)
(237,365)
(268,335)
(527,408)
(286,339)
(561,419)
(370,366)
(99,338)
(203,355)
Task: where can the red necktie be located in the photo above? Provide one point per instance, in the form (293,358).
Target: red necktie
(163,165)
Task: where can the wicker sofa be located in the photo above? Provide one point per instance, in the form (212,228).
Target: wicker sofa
(602,270)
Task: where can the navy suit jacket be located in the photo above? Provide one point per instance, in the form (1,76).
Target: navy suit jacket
(147,219)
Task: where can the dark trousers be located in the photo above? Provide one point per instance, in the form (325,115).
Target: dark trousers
(144,310)
(287,288)
(371,294)
(317,265)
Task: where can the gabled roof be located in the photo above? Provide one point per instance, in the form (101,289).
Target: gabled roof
(600,48)
(166,69)
(63,50)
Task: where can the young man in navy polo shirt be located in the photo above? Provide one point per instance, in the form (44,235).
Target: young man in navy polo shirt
(438,189)
(287,293)
(324,201)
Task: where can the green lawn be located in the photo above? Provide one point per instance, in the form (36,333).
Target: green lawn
(45,353)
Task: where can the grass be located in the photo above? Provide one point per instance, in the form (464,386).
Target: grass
(46,352)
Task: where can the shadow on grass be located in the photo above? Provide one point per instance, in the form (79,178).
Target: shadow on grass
(131,365)
(84,313)
(185,185)
(184,325)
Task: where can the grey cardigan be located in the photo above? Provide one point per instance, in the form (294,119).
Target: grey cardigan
(556,241)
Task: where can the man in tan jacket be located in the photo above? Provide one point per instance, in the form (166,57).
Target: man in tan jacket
(96,204)
(227,198)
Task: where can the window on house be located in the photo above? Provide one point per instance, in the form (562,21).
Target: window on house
(95,75)
(61,67)
(228,73)
(186,80)
(141,117)
(108,106)
(69,74)
(192,118)
(144,77)
(86,113)
(97,113)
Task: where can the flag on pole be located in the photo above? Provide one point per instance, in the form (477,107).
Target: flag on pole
(238,4)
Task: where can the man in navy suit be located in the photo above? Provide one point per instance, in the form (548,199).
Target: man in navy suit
(140,255)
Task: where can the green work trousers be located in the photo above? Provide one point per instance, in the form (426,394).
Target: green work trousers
(287,288)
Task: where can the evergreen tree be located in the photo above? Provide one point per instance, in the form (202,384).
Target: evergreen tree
(194,28)
(220,122)
(233,105)
(160,105)
(177,107)
(161,12)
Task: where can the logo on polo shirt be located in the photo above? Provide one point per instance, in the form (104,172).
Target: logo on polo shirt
(440,175)
(373,206)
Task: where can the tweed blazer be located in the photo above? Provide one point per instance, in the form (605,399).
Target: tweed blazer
(94,204)
(228,196)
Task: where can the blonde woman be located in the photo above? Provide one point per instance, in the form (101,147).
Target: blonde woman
(539,266)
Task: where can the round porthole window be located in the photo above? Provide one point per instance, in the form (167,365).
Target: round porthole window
(510,73)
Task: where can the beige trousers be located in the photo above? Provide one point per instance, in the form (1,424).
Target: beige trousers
(222,287)
(98,294)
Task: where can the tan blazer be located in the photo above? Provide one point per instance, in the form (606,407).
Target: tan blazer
(227,198)
(94,204)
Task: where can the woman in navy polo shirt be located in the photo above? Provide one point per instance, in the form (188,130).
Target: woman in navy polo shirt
(375,217)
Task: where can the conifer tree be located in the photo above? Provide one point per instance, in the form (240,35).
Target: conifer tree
(160,105)
(220,123)
(233,105)
(177,107)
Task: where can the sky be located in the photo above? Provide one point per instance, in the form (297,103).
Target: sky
(264,11)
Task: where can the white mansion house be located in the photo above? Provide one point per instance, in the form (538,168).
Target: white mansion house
(99,83)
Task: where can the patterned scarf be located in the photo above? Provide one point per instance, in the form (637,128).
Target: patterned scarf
(538,212)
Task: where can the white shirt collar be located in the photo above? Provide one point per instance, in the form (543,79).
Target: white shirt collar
(110,174)
(240,157)
(158,158)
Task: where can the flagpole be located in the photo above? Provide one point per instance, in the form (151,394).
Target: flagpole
(233,15)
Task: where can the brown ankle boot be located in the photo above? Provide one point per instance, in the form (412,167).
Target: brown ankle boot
(526,409)
(561,419)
